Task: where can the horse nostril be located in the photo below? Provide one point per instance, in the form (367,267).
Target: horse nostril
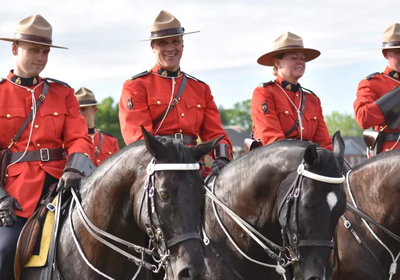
(188,274)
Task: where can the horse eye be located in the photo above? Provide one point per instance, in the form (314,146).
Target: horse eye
(164,195)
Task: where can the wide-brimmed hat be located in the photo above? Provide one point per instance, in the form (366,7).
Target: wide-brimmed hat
(391,37)
(34,29)
(166,25)
(287,42)
(86,97)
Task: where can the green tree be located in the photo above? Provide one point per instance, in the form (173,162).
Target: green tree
(238,115)
(343,122)
(107,119)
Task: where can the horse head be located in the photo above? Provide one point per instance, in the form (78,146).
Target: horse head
(310,210)
(171,205)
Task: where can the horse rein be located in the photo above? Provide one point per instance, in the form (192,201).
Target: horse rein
(153,226)
(291,200)
(96,232)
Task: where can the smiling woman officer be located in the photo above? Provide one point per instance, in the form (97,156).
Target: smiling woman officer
(169,102)
(282,109)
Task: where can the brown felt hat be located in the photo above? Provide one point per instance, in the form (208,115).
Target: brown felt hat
(391,37)
(166,25)
(287,42)
(86,97)
(34,29)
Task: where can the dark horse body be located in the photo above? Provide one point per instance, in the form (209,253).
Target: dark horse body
(112,197)
(375,186)
(253,186)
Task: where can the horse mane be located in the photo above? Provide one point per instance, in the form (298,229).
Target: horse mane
(393,155)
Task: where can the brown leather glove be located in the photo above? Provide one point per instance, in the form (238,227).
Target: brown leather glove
(218,164)
(69,179)
(7,214)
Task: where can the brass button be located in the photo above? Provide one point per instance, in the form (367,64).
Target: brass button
(387,150)
(8,116)
(98,160)
(55,114)
(182,114)
(286,112)
(315,117)
(109,153)
(302,128)
(38,145)
(180,130)
(95,148)
(297,95)
(198,106)
(158,102)
(36,126)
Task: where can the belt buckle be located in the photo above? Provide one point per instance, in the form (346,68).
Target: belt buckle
(179,136)
(44,154)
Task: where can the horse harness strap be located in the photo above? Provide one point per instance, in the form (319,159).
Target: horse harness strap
(96,153)
(175,100)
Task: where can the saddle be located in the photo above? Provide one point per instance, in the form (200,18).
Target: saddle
(36,234)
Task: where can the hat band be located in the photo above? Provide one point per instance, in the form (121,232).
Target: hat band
(391,44)
(85,102)
(289,46)
(166,32)
(35,38)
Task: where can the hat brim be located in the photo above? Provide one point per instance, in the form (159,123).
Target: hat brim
(167,36)
(387,48)
(88,105)
(267,58)
(33,42)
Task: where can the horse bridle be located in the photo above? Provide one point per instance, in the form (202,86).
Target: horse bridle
(153,224)
(288,210)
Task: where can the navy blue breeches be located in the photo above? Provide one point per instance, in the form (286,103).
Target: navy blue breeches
(8,243)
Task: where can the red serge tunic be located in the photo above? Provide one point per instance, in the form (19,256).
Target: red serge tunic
(147,96)
(273,114)
(109,146)
(57,124)
(367,113)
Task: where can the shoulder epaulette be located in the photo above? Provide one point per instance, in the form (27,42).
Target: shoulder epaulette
(193,78)
(144,73)
(308,91)
(107,134)
(370,76)
(265,84)
(57,81)
(2,80)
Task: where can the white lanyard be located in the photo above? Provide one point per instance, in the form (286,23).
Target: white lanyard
(297,109)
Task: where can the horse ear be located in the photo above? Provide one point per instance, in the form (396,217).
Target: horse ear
(203,149)
(338,147)
(310,154)
(155,147)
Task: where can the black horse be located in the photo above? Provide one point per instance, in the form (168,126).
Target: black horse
(153,183)
(269,189)
(375,187)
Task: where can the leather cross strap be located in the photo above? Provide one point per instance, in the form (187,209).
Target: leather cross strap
(175,100)
(303,106)
(39,155)
(42,96)
(186,139)
(96,153)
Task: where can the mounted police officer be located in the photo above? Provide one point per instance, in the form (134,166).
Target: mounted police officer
(169,102)
(282,109)
(378,98)
(50,146)
(105,144)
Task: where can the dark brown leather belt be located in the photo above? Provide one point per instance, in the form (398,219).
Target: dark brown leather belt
(187,139)
(390,137)
(43,154)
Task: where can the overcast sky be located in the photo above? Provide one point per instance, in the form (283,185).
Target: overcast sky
(103,49)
